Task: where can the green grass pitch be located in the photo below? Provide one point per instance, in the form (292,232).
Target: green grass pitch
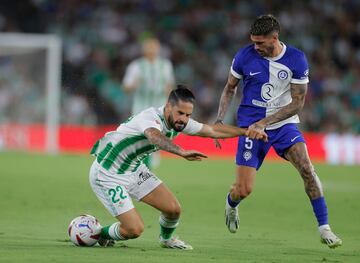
(40,194)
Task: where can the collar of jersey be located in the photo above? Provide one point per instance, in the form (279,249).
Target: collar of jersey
(280,55)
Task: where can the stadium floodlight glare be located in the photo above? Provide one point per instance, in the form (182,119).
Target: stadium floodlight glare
(19,44)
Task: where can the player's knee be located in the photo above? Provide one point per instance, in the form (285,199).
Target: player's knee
(241,191)
(245,191)
(134,231)
(173,210)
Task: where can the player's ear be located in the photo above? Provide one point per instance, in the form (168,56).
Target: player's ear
(275,35)
(168,105)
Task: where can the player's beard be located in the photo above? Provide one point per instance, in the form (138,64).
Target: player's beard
(267,52)
(176,125)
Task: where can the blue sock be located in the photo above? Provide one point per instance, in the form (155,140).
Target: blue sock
(320,210)
(231,202)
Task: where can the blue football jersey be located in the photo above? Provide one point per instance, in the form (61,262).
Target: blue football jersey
(267,82)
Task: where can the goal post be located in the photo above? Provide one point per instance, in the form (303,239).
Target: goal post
(19,50)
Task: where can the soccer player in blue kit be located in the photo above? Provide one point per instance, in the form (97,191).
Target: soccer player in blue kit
(275,78)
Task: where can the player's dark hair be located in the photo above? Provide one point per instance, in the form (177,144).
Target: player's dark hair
(264,25)
(181,93)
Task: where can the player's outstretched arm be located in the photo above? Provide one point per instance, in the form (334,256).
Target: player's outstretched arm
(226,131)
(226,97)
(164,143)
(298,93)
(225,100)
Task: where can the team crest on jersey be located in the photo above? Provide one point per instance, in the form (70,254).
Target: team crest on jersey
(247,155)
(267,91)
(282,74)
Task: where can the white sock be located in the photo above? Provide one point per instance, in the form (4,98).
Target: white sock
(324,227)
(168,223)
(114,232)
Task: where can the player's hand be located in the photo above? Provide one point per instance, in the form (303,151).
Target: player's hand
(257,131)
(217,141)
(193,155)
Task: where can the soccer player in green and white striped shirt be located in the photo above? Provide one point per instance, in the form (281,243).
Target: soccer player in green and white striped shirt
(150,78)
(118,173)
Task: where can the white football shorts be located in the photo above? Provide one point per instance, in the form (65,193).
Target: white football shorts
(115,191)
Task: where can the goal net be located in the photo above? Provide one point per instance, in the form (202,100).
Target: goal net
(30,66)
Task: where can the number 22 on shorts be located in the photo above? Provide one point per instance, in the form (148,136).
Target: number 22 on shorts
(113,193)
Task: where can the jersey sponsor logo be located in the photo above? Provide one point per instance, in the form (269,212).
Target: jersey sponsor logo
(254,73)
(282,74)
(247,155)
(267,91)
(267,104)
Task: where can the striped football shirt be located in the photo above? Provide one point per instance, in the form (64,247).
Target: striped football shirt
(123,150)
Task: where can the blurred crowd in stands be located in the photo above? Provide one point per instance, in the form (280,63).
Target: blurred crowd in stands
(200,38)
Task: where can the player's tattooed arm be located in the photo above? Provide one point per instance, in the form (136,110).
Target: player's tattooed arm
(226,97)
(298,93)
(225,100)
(164,143)
(155,137)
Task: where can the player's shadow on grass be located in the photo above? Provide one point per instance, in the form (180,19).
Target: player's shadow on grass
(118,245)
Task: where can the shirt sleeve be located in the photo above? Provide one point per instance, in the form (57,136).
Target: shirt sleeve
(147,120)
(300,71)
(236,66)
(192,127)
(131,74)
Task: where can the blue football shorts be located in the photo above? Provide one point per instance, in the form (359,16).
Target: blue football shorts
(252,152)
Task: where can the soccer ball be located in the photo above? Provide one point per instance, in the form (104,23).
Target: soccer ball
(84,230)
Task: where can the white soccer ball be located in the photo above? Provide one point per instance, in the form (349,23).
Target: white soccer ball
(84,230)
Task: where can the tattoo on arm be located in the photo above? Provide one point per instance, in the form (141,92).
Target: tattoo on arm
(226,96)
(164,143)
(298,92)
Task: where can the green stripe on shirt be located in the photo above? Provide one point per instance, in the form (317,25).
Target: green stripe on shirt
(131,157)
(113,154)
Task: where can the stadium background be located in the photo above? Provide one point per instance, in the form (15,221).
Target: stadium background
(100,38)
(41,193)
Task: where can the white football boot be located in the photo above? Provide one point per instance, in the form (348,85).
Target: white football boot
(231,217)
(106,242)
(174,243)
(328,237)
